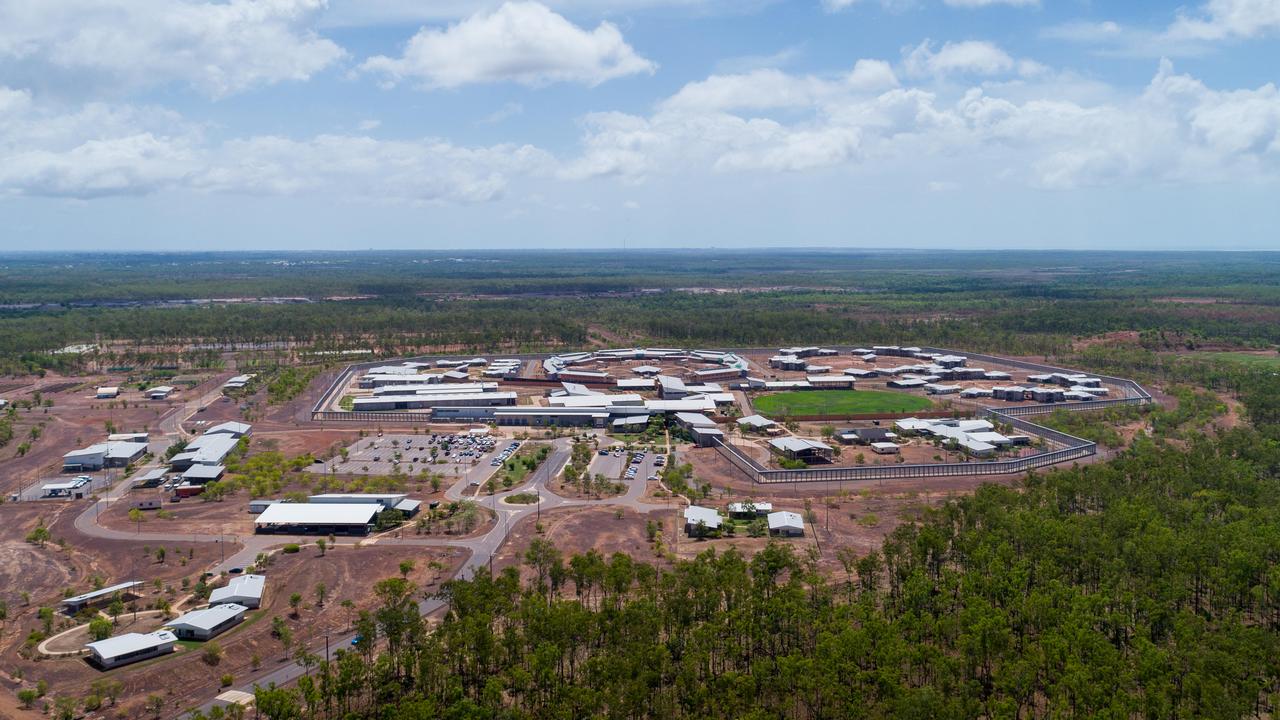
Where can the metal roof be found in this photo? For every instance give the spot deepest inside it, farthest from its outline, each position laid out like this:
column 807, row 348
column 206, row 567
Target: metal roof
column 243, row 586
column 695, row 419
column 756, row 421
column 318, row 514
column 237, row 428
column 204, row 472
column 208, row 618
column 695, row 514
column 741, row 507
column 131, row 642
column 785, row 519
column 795, row 444
column 104, row 592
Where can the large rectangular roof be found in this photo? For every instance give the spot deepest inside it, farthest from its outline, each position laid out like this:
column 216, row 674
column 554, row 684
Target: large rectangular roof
column 207, row 618
column 795, row 444
column 357, row 498
column 204, row 472
column 318, row 514
column 131, row 642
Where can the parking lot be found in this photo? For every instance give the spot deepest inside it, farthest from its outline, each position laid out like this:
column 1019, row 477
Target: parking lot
column 451, row 455
column 618, row 464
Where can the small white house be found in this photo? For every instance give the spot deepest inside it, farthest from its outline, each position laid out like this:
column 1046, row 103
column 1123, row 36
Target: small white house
column 698, row 520
column 786, row 523
column 243, row 590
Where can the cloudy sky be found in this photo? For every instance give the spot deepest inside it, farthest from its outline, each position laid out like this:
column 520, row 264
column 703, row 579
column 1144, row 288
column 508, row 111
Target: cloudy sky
column 351, row 124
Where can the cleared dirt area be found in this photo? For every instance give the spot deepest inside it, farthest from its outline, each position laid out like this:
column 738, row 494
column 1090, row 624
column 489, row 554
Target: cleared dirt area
column 576, row 530
column 185, row 677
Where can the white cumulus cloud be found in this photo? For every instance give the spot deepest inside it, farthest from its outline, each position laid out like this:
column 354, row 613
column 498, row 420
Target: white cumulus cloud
column 1224, row 19
column 218, row 48
column 971, row 57
column 521, row 42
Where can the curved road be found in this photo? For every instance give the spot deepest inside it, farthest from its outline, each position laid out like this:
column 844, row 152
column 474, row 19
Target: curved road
column 481, row 549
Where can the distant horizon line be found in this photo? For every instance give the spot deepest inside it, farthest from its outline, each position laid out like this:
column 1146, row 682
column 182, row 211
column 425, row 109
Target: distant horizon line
column 642, row 249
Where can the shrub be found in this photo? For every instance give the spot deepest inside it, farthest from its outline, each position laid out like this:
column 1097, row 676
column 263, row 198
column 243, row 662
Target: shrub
column 290, row 548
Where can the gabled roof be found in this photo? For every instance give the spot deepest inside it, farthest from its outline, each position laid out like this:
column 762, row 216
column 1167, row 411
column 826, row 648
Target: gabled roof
column 242, row 586
column 785, row 519
column 795, row 444
column 131, row 642
column 207, row 618
column 230, row 427
column 695, row 514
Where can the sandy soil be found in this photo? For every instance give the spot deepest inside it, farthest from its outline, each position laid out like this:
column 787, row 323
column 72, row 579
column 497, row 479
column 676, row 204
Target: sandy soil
column 576, row 530
column 347, row 573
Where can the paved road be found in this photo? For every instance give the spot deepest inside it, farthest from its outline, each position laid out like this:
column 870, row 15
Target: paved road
column 481, row 549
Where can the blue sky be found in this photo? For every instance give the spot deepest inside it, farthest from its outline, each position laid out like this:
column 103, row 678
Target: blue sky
column 301, row 124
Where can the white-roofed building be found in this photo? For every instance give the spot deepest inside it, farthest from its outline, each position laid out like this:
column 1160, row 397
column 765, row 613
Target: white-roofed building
column 885, row 448
column 246, row 590
column 104, row 454
column 107, row 392
column 688, row 420
column 747, row 509
column 794, row 448
column 756, row 422
column 640, row 383
column 630, row 423
column 352, row 518
column 207, row 623
column 159, row 392
column 232, row 428
column 131, row 648
column 73, row 605
column 697, row 404
column 786, row 523
column 423, row 402
column 699, row 520
column 578, row 389
column 239, row 381
column 830, row 382
column 671, row 388
column 386, row 500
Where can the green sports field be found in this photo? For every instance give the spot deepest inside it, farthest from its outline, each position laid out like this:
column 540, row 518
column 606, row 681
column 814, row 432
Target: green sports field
column 838, row 402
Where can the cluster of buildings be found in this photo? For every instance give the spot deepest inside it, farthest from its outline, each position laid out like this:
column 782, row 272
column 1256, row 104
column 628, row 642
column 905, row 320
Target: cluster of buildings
column 576, row 404
column 118, row 450
column 975, row 437
column 700, row 521
column 202, row 460
column 226, row 609
column 725, row 365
